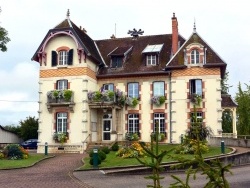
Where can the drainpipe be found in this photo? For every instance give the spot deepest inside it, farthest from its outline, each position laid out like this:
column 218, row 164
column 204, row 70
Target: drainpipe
column 170, row 107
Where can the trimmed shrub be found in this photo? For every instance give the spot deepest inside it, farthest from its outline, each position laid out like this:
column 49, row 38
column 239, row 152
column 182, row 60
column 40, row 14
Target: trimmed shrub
column 105, row 149
column 102, row 155
column 115, row 146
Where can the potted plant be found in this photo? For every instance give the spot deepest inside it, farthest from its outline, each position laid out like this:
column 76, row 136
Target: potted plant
column 132, row 102
column 55, row 94
column 60, row 137
column 67, row 94
column 120, row 98
column 158, row 100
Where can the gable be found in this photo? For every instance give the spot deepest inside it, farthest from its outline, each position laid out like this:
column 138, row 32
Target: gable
column 208, row 59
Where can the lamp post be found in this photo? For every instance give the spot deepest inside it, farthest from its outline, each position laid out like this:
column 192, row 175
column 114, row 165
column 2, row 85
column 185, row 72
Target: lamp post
column 46, row 148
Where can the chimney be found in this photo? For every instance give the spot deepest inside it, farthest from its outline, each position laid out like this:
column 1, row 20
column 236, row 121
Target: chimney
column 174, row 34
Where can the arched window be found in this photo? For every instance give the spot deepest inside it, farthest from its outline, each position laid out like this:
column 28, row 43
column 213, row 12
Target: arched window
column 195, row 57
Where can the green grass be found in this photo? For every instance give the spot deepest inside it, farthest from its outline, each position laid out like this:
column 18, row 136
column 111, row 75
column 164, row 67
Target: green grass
column 10, row 164
column 113, row 161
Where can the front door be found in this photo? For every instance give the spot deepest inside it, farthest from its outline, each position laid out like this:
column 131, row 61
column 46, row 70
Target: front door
column 106, row 128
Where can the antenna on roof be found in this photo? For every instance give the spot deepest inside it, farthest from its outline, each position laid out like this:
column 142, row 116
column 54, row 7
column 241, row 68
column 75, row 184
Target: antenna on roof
column 68, row 14
column 134, row 33
column 115, row 29
column 194, row 30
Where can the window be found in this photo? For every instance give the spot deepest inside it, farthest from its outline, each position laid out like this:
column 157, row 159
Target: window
column 158, row 88
column 133, row 123
column 62, row 84
column 116, row 62
column 160, row 118
column 63, row 58
column 151, row 59
column 133, row 90
column 196, row 117
column 195, row 57
column 196, row 87
column 108, row 87
column 61, row 122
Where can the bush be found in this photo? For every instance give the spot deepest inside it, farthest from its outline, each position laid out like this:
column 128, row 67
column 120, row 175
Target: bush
column 131, row 136
column 15, row 151
column 91, row 160
column 134, row 150
column 105, row 149
column 102, row 155
column 1, row 155
column 115, row 146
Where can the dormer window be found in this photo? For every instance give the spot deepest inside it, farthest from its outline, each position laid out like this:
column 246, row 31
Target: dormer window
column 195, row 57
column 116, row 62
column 152, row 54
column 151, row 59
column 119, row 55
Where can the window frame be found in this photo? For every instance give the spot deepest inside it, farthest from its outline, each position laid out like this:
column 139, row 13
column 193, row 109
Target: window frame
column 63, row 57
column 64, row 85
column 116, row 61
column 160, row 117
column 199, row 116
column 132, row 88
column 195, row 87
column 151, row 59
column 159, row 91
column 133, row 123
column 195, row 57
column 108, row 87
column 61, row 122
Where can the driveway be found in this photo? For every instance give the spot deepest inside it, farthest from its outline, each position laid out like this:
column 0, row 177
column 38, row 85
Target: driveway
column 51, row 173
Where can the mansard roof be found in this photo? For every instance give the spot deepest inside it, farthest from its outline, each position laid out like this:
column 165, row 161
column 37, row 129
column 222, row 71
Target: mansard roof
column 212, row 58
column 135, row 62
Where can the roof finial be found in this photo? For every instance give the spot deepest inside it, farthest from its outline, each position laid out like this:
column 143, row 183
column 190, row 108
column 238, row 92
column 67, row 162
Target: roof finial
column 68, row 14
column 194, row 30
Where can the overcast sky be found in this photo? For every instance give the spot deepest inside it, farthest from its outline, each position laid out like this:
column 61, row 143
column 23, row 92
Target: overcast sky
column 223, row 24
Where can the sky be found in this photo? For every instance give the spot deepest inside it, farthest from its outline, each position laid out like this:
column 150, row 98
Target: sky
column 223, row 24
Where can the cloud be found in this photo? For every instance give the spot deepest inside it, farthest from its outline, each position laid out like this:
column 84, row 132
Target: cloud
column 18, row 93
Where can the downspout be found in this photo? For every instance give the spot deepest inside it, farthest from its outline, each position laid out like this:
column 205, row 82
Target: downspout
column 170, row 107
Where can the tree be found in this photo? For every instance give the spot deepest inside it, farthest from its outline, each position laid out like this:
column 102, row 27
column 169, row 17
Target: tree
column 14, row 129
column 4, row 39
column 227, row 122
column 224, row 85
column 243, row 110
column 29, row 128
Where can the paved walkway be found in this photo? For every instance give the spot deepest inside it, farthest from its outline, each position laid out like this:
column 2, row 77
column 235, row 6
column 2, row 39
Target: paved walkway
column 58, row 172
column 51, row 173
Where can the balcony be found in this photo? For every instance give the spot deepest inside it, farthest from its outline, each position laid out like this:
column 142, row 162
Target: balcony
column 58, row 98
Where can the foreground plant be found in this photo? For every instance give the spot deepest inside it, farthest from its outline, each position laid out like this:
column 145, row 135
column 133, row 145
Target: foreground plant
column 156, row 159
column 214, row 170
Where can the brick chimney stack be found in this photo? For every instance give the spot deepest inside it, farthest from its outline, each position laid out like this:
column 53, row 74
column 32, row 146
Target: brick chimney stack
column 174, row 34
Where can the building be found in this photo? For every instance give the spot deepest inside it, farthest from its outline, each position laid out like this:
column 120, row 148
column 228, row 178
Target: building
column 96, row 91
column 8, row 137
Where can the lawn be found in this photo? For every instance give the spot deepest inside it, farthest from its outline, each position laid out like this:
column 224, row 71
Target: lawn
column 10, row 164
column 113, row 161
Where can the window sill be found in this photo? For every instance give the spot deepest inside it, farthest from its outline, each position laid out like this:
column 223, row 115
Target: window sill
column 62, row 66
